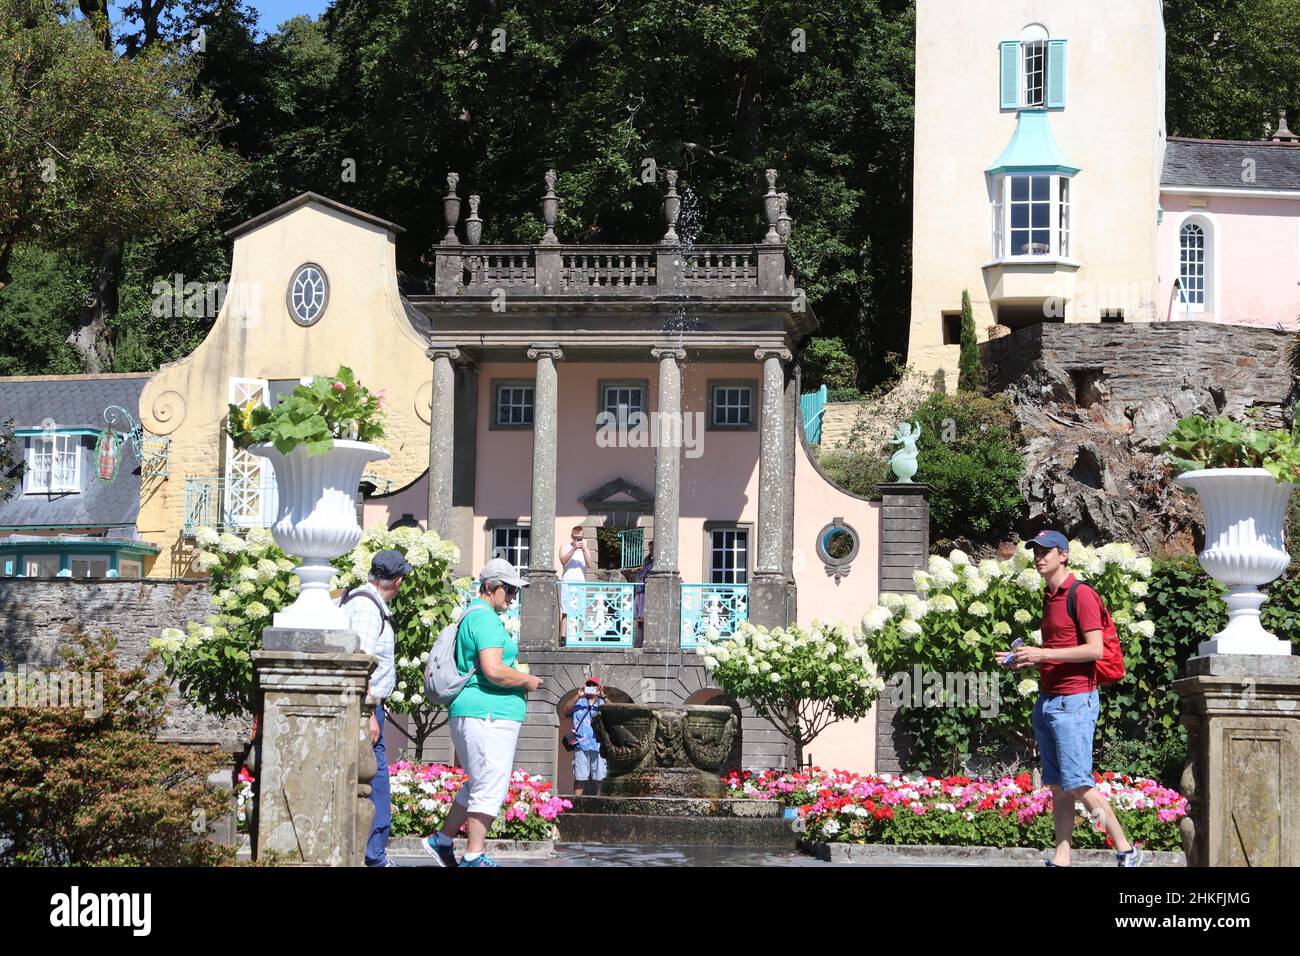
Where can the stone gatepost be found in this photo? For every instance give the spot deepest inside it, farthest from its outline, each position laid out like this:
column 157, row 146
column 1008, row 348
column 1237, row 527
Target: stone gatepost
column 315, row 762
column 1242, row 714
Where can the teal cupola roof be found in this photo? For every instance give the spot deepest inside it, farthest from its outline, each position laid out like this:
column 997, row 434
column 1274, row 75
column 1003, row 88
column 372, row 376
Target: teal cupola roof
column 1033, row 149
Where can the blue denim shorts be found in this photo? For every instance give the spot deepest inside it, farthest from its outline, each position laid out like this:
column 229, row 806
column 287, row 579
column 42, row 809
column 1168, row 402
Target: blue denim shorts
column 1064, row 725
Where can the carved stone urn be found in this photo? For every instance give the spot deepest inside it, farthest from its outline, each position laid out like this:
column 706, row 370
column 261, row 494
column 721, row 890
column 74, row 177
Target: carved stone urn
column 664, row 750
column 317, row 522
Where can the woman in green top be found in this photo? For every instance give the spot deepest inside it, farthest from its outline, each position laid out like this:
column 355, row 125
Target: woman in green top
column 486, row 715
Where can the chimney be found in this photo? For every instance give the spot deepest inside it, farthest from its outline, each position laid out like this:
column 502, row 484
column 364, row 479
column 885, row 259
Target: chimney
column 1283, row 134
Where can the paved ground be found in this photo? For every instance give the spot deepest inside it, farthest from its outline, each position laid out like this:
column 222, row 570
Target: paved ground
column 577, row 854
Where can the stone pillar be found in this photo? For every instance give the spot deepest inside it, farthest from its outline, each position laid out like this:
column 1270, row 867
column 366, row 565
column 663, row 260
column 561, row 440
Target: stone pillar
column 442, row 437
column 792, row 440
column 464, row 466
column 663, row 589
column 314, row 764
column 904, row 547
column 767, row 592
column 539, row 626
column 1242, row 714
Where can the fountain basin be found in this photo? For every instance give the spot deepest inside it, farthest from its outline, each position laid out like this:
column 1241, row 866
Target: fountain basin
column 664, row 750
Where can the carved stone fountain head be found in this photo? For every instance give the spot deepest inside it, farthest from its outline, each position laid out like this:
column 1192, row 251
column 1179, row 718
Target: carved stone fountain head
column 665, row 750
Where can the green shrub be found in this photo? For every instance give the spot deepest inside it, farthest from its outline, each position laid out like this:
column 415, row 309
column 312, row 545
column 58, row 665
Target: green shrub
column 90, row 785
column 827, row 362
column 970, row 373
column 969, row 456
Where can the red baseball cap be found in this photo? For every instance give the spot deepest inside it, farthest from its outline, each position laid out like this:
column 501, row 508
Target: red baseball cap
column 592, row 680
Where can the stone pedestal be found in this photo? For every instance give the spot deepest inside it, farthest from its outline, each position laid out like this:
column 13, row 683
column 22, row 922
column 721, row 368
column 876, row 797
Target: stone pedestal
column 663, row 611
column 315, row 762
column 1242, row 714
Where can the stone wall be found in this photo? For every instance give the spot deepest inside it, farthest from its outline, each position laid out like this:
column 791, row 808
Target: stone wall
column 1094, row 402
column 38, row 616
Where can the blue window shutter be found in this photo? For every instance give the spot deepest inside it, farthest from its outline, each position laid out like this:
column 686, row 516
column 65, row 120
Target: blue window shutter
column 1056, row 73
column 1010, row 74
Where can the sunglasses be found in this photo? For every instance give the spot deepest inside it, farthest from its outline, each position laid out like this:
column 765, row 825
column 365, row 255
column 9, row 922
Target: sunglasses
column 511, row 590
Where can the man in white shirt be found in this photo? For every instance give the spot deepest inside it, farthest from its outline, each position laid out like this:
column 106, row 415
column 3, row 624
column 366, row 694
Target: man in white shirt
column 369, row 617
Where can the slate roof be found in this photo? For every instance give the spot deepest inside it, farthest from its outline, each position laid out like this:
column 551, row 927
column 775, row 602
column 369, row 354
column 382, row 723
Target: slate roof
column 1219, row 164
column 72, row 401
column 303, row 199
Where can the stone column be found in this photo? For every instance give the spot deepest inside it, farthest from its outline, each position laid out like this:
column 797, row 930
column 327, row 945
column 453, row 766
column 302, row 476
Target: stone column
column 767, row 592
column 464, row 466
column 904, row 547
column 314, row 764
column 1242, row 714
column 442, row 436
column 663, row 589
column 539, row 625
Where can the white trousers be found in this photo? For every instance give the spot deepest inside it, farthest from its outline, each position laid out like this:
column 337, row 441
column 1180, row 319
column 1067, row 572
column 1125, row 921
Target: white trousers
column 486, row 749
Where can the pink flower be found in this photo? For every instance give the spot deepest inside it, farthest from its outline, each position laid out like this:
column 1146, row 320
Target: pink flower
column 339, row 387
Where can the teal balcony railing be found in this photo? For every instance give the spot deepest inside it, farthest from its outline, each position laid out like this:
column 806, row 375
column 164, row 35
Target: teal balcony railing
column 720, row 608
column 598, row 615
column 229, row 504
column 470, row 591
column 631, row 546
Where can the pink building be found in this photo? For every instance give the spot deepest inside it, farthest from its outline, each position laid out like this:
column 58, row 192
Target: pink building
column 1229, row 236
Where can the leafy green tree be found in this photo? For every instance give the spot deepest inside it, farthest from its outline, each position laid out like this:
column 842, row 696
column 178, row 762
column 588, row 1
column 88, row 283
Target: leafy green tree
column 970, row 373
column 10, row 460
column 826, row 361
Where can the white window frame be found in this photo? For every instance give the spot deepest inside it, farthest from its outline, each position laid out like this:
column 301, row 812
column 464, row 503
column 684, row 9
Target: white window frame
column 511, row 551
column 309, row 294
column 39, row 481
column 1060, row 217
column 1213, row 257
column 1033, row 42
column 718, row 572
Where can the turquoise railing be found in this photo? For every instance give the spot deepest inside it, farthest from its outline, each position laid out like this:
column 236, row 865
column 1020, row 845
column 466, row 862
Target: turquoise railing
column 229, row 504
column 631, row 545
column 720, row 608
column 811, row 407
column 470, row 591
column 598, row 614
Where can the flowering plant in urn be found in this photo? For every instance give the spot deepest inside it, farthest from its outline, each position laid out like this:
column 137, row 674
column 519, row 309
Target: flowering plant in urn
column 1244, row 476
column 311, row 439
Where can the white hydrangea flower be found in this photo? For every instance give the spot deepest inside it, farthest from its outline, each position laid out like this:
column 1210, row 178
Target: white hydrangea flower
column 1029, row 579
column 909, row 627
column 1138, row 588
column 257, row 610
column 959, row 557
column 1022, row 616
column 774, row 677
column 914, row 607
column 921, row 580
column 764, row 666
column 1001, row 628
column 1026, row 687
column 876, row 618
column 207, row 537
column 1036, row 637
column 417, row 700
column 248, row 573
column 1140, row 609
column 205, row 562
column 1146, row 628
column 971, row 638
column 978, row 608
column 943, row 603
column 990, row 568
column 710, row 662
column 397, row 697
column 891, row 601
column 1143, row 567
column 245, row 588
column 977, row 586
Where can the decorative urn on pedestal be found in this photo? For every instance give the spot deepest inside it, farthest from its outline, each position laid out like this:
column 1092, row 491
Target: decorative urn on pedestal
column 1245, row 549
column 317, row 522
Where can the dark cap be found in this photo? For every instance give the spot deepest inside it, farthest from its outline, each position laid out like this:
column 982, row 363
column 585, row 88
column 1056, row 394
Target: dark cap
column 1050, row 539
column 389, row 564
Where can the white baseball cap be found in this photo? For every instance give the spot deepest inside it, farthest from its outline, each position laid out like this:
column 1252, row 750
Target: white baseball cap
column 499, row 569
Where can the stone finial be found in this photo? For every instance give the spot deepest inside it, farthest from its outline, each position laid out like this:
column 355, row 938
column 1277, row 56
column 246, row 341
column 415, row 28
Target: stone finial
column 550, row 209
column 784, row 224
column 451, row 210
column 672, row 207
column 473, row 224
column 1284, row 134
column 770, row 208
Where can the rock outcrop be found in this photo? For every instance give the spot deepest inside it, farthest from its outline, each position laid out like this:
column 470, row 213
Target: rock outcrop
column 1094, row 402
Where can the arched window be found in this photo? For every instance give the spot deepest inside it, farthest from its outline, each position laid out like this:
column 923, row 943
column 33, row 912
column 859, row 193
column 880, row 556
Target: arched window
column 1196, row 264
column 1033, row 65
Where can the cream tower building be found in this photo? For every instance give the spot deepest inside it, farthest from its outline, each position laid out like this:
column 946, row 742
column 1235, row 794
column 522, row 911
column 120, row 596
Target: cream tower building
column 1039, row 143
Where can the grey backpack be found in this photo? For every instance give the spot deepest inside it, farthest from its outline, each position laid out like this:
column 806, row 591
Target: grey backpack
column 442, row 678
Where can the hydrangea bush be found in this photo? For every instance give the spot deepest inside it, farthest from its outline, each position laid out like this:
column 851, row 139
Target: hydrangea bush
column 841, row 807
column 422, row 795
column 251, row 578
column 800, row 682
column 965, row 615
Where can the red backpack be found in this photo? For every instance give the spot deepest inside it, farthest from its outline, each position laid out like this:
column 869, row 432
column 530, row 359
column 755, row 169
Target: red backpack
column 1110, row 669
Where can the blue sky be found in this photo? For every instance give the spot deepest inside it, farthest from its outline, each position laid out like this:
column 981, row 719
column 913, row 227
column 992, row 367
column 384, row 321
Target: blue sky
column 271, row 13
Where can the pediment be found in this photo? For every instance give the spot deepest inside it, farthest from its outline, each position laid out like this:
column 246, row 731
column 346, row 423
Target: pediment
column 618, row 495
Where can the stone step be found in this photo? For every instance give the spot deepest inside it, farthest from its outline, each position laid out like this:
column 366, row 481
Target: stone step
column 677, row 807
column 633, row 828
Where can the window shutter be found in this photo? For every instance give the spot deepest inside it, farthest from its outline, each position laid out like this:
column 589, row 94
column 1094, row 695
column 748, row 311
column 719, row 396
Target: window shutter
column 1010, row 74
column 1056, row 72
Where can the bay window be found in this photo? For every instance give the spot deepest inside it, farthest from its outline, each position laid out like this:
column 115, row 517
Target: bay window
column 1031, row 216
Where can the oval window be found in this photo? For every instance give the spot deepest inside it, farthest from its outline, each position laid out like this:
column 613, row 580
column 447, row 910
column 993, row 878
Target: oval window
column 308, row 294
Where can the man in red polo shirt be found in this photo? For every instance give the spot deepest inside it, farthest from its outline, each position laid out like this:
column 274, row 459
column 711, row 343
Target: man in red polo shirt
column 1065, row 714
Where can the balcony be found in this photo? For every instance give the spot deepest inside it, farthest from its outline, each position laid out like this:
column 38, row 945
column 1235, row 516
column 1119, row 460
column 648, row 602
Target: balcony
column 716, row 608
column 229, row 504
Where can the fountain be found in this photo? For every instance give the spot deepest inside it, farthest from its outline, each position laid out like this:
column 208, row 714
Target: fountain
column 665, row 787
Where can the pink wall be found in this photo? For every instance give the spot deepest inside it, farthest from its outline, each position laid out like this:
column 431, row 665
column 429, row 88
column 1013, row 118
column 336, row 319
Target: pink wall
column 1256, row 243
column 845, row 745
column 721, row 484
column 385, row 509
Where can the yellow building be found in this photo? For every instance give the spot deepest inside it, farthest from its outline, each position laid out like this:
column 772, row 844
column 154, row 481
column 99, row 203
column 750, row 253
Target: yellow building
column 1038, row 148
column 281, row 319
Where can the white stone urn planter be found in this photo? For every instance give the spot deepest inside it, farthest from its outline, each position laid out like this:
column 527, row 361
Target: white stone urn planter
column 316, row 522
column 1245, row 548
